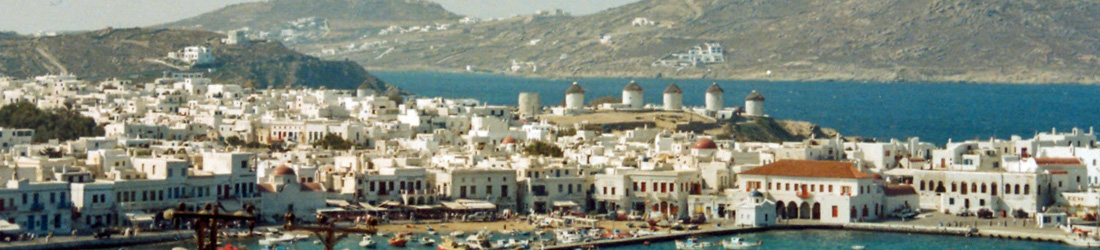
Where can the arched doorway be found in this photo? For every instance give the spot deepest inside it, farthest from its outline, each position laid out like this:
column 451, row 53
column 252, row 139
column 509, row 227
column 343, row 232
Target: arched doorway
column 792, row 210
column 780, row 209
column 817, row 211
column 804, row 210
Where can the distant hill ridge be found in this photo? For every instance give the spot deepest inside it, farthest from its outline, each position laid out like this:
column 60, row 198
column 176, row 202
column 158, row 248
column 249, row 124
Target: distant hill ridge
column 342, row 14
column 1050, row 41
column 137, row 53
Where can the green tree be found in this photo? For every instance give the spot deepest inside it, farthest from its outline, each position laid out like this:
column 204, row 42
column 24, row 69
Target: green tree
column 333, row 141
column 234, row 141
column 61, row 124
column 543, row 148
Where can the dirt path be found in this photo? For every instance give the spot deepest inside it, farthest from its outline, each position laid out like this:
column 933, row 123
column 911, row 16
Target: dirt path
column 55, row 63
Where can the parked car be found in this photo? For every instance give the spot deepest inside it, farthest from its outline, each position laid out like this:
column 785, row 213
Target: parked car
column 985, row 213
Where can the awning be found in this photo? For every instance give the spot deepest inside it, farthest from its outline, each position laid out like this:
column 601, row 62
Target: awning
column 369, row 207
column 337, row 203
column 139, row 217
column 330, row 209
column 424, row 207
column 564, row 204
column 470, row 205
column 7, row 227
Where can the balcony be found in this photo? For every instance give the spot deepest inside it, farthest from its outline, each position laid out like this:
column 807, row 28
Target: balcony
column 64, row 205
column 38, row 207
column 804, row 194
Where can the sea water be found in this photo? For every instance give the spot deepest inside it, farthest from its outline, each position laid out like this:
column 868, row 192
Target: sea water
column 792, row 239
column 934, row 112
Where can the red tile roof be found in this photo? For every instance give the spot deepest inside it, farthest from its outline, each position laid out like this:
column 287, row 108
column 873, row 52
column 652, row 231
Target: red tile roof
column 265, row 188
column 1057, row 161
column 898, row 190
column 312, row 186
column 807, row 168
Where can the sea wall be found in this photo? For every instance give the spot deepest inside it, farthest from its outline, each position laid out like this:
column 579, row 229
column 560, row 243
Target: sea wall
column 89, row 242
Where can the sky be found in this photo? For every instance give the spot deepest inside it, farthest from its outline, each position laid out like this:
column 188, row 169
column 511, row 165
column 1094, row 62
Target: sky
column 31, row 16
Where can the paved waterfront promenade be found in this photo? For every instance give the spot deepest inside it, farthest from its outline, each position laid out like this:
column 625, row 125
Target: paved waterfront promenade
column 85, row 242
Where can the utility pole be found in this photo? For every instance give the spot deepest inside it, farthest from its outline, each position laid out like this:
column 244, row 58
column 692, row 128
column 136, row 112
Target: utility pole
column 207, row 222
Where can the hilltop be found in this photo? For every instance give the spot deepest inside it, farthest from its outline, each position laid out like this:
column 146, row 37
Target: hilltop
column 1053, row 41
column 139, row 54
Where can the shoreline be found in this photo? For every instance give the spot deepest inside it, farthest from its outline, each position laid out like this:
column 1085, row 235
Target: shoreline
column 708, row 229
column 864, row 227
column 421, row 69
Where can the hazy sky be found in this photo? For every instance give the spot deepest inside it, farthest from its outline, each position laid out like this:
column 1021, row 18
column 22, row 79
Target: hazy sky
column 29, row 16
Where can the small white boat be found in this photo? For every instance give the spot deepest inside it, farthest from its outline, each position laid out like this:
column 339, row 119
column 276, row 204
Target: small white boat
column 457, row 234
column 1079, row 241
column 272, row 239
column 366, row 242
column 858, row 247
column 692, row 244
column 738, row 243
column 506, row 232
column 427, row 241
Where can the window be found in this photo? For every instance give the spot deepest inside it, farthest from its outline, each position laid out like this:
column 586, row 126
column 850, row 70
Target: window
column 951, row 201
column 612, row 191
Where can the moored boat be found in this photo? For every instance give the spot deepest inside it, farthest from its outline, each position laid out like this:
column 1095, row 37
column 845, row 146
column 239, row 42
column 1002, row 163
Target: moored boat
column 450, row 244
column 738, row 243
column 399, row 240
column 366, row 242
column 427, row 241
column 691, row 244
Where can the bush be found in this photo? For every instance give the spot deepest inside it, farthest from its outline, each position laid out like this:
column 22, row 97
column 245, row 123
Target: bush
column 333, row 141
column 542, row 148
column 61, row 124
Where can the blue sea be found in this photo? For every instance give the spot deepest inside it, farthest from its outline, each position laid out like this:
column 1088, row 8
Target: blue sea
column 794, row 239
column 934, row 112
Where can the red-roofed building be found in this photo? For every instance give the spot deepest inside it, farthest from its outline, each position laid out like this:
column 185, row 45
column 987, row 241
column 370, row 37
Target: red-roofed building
column 830, row 191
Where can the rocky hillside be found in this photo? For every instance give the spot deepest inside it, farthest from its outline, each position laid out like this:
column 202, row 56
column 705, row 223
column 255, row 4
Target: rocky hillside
column 342, row 18
column 140, row 54
column 1051, row 41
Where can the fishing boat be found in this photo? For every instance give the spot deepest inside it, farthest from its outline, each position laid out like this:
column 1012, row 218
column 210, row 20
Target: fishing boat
column 479, row 240
column 399, row 240
column 738, row 243
column 568, row 236
column 691, row 244
column 450, row 244
column 427, row 241
column 457, row 234
column 366, row 242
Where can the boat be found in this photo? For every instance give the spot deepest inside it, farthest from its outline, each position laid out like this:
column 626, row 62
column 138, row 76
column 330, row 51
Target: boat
column 1084, row 242
column 857, row 247
column 457, row 234
column 738, row 243
column 513, row 244
column 479, row 240
column 273, row 238
column 506, row 232
column 399, row 240
column 691, row 244
column 567, row 236
column 450, row 244
column 427, row 241
column 366, row 242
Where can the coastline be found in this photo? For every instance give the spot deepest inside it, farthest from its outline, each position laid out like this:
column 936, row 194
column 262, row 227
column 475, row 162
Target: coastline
column 809, row 78
column 708, row 229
